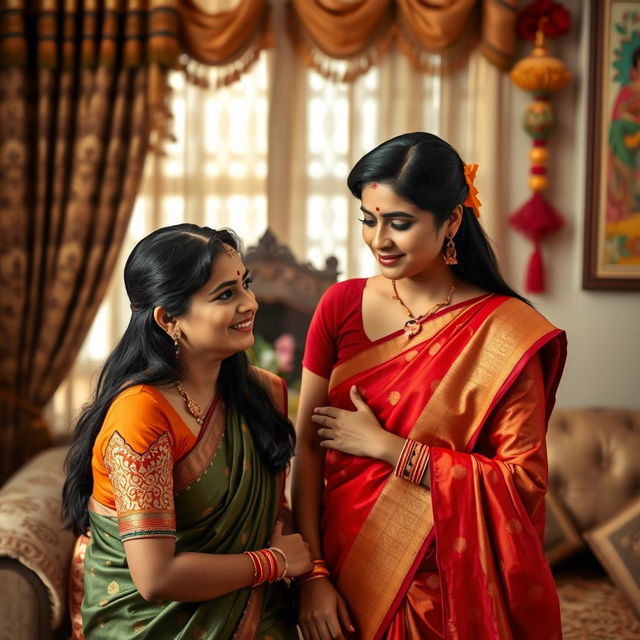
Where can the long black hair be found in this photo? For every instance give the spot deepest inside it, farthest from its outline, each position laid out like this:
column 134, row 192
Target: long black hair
column 428, row 172
column 165, row 269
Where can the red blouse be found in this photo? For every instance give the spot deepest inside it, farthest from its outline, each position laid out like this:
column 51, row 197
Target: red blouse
column 336, row 332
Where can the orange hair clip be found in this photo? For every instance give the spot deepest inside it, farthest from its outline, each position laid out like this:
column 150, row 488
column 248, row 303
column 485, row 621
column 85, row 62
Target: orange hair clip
column 472, row 198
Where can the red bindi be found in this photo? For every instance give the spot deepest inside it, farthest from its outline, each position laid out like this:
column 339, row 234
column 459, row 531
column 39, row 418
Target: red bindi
column 238, row 272
column 377, row 208
column 374, row 185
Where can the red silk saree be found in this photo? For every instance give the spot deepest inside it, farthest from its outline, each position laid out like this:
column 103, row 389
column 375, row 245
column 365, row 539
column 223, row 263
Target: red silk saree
column 463, row 560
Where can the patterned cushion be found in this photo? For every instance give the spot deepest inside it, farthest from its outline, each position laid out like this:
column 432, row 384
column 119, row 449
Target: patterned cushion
column 31, row 528
column 616, row 544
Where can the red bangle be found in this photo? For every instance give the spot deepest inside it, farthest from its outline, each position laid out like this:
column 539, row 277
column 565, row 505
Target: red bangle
column 405, row 457
column 273, row 565
column 258, row 569
column 413, row 461
column 420, row 464
column 265, row 565
column 320, row 570
column 283, row 575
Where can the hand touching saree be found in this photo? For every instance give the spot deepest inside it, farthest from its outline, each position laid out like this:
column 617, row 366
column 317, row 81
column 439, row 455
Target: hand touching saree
column 213, row 494
column 464, row 559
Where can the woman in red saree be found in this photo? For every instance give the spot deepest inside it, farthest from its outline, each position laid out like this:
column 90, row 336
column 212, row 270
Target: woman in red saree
column 421, row 464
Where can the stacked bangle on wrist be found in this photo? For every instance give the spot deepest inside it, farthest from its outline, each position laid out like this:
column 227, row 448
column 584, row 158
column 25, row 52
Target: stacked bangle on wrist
column 413, row 461
column 283, row 575
column 320, row 570
column 265, row 565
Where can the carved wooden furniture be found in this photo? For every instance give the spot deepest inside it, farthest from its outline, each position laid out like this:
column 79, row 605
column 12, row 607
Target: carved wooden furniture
column 287, row 291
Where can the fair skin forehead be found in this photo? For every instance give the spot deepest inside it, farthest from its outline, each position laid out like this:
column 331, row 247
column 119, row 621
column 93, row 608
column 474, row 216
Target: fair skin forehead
column 228, row 271
column 381, row 200
column 396, row 229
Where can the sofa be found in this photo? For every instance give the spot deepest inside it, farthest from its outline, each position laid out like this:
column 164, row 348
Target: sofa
column 592, row 537
column 592, row 534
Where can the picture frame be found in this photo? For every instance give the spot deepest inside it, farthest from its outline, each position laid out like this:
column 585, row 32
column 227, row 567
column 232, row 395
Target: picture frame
column 615, row 544
column 612, row 206
column 561, row 538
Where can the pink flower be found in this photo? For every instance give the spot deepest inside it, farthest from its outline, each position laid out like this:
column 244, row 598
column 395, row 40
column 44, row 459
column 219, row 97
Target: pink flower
column 285, row 346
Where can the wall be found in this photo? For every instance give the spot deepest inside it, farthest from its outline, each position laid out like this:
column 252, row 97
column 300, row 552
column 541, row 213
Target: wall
column 603, row 327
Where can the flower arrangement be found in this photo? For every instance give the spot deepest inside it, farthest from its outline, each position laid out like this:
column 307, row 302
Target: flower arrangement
column 279, row 358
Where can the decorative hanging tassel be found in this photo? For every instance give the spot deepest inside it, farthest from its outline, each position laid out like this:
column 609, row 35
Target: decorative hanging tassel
column 536, row 219
column 535, row 272
column 542, row 74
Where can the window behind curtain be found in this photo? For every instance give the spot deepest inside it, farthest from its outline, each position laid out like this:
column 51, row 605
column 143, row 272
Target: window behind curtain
column 215, row 173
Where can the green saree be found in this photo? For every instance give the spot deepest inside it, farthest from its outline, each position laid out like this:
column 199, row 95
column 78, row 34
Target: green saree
column 226, row 502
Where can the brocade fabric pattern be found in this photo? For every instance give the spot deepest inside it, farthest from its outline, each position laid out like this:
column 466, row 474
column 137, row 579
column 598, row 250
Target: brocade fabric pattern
column 73, row 137
column 142, row 486
column 31, row 528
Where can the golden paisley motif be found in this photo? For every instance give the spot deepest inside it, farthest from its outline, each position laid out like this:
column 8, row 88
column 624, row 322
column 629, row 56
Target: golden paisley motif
column 460, row 545
column 140, row 481
column 394, row 398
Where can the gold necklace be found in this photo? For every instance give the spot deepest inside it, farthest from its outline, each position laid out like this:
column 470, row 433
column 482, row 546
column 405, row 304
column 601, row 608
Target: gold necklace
column 413, row 326
column 192, row 407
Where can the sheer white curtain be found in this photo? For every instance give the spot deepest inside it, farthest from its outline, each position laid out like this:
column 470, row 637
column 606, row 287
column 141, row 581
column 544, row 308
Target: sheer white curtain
column 213, row 173
column 274, row 149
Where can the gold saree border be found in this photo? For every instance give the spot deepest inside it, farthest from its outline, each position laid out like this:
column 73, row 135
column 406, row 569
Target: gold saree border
column 275, row 387
column 251, row 616
column 189, row 469
column 390, row 536
column 402, row 518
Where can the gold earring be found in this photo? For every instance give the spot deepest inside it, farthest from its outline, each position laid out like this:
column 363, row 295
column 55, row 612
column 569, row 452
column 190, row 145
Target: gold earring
column 450, row 253
column 176, row 345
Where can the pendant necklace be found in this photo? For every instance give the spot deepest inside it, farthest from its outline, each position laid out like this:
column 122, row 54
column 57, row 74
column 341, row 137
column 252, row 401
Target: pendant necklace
column 413, row 326
column 192, row 407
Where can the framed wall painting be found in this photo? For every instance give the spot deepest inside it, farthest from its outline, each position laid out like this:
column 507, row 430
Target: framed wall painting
column 612, row 225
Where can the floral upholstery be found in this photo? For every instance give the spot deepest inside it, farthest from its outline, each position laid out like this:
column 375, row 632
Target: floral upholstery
column 31, row 528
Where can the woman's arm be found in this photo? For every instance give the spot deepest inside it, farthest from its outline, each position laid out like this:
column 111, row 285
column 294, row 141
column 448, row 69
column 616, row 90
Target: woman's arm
column 308, row 463
column 160, row 574
column 358, row 433
column 323, row 611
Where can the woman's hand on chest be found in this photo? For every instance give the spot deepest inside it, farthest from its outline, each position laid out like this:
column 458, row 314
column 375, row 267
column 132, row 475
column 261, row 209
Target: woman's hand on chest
column 357, row 433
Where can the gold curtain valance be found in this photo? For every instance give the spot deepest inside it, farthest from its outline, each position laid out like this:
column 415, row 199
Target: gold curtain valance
column 326, row 30
column 232, row 38
column 343, row 38
column 339, row 38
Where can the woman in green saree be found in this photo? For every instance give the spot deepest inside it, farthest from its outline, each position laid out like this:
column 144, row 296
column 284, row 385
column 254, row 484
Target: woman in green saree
column 175, row 477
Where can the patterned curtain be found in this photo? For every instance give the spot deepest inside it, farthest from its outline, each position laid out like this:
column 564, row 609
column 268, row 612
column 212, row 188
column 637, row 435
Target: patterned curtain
column 81, row 87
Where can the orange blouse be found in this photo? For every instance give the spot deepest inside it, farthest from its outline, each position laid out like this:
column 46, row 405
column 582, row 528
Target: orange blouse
column 140, row 441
